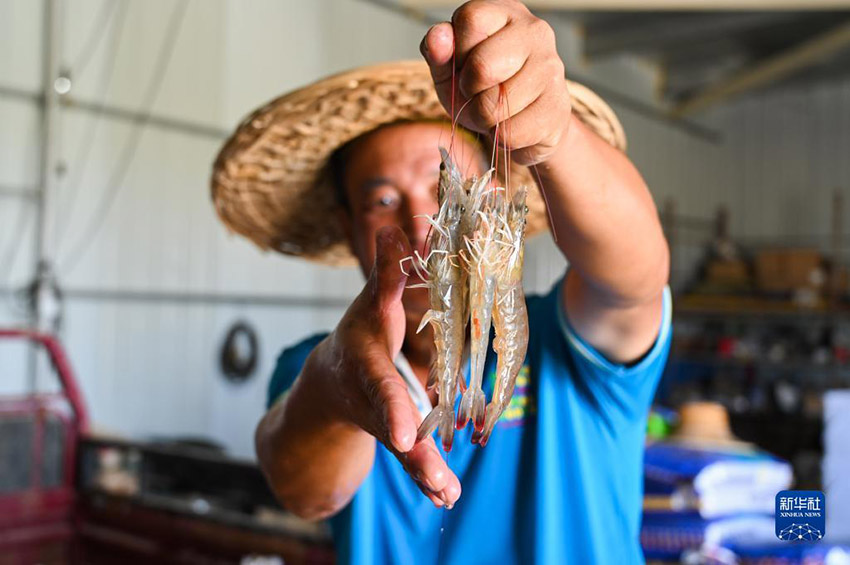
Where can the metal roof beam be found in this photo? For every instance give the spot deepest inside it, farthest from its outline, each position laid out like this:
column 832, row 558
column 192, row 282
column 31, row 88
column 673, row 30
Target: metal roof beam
column 648, row 34
column 646, row 5
column 769, row 70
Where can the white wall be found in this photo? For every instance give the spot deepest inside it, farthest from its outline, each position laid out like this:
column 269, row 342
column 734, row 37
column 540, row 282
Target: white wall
column 150, row 368
column 793, row 153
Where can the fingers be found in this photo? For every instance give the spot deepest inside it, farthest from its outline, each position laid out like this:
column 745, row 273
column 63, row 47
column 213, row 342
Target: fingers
column 494, row 61
column 430, row 472
column 437, row 48
column 474, row 22
column 506, row 64
column 390, row 400
column 396, row 429
column 501, row 101
column 387, row 279
column 531, row 142
column 446, row 45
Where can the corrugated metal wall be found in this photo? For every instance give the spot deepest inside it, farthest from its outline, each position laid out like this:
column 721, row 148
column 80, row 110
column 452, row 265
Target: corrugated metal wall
column 792, row 155
column 149, row 367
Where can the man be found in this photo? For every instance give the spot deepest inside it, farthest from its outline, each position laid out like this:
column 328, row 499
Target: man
column 343, row 168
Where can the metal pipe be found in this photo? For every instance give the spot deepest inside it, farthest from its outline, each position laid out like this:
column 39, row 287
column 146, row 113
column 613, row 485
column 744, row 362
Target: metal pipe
column 197, row 298
column 18, row 192
column 182, row 126
column 122, row 114
column 659, row 5
column 19, row 94
column 47, row 171
column 615, row 97
column 49, row 130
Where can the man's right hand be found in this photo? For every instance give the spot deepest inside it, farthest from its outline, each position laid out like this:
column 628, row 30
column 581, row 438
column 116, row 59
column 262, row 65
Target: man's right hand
column 369, row 391
column 316, row 447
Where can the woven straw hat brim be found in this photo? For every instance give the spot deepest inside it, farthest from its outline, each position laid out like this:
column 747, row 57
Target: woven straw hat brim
column 270, row 181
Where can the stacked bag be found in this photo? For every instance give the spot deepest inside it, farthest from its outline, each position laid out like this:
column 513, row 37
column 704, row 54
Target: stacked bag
column 836, row 463
column 702, row 487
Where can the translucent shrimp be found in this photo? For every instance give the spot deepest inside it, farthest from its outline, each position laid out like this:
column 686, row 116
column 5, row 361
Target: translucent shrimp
column 510, row 317
column 446, row 282
column 483, row 251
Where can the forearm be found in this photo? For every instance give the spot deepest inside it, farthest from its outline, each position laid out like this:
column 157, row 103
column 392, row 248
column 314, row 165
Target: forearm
column 313, row 459
column 604, row 219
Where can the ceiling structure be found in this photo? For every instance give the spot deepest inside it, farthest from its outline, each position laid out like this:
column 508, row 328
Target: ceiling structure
column 710, row 51
column 707, row 58
column 653, row 5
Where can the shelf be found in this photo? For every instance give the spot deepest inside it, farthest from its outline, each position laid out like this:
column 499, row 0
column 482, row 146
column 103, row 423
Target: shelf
column 796, row 366
column 755, row 309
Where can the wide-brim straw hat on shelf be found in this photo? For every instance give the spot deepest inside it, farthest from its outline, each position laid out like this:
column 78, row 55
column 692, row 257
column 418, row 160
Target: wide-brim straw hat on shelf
column 271, row 182
column 706, row 424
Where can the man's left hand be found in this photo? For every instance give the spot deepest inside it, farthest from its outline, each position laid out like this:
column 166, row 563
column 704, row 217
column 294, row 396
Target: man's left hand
column 490, row 43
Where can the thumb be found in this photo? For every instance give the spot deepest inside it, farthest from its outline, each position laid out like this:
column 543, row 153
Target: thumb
column 438, row 48
column 387, row 279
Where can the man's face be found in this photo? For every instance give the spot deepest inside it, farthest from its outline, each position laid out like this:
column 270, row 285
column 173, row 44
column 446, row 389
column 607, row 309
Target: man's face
column 391, row 176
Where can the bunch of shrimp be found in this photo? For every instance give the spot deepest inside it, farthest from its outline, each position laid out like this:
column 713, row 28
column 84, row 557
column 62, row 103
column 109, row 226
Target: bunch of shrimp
column 446, row 281
column 484, row 257
column 473, row 273
column 510, row 317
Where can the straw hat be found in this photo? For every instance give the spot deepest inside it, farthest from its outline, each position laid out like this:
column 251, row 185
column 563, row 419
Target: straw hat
column 270, row 181
column 706, row 424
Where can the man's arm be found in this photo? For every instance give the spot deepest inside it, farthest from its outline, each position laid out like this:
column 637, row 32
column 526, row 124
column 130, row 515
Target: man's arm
column 317, row 444
column 607, row 226
column 604, row 219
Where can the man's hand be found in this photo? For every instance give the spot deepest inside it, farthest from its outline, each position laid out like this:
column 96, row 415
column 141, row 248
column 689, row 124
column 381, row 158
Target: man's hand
column 613, row 295
column 369, row 391
column 318, row 445
column 490, row 43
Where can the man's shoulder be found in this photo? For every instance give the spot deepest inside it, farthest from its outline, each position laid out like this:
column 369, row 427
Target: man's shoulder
column 303, row 347
column 289, row 364
column 292, row 358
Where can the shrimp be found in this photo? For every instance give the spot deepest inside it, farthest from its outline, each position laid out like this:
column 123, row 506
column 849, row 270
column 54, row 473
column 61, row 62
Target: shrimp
column 446, row 281
column 483, row 261
column 510, row 317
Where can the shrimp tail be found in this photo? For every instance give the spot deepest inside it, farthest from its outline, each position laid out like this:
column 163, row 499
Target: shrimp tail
column 429, row 424
column 447, row 429
column 494, row 412
column 472, row 406
column 438, row 419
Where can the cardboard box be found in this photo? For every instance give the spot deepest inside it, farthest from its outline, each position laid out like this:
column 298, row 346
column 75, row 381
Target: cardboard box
column 785, row 270
column 728, row 272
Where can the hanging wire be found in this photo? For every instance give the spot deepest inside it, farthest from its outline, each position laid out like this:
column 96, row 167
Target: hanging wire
column 96, row 34
column 119, row 173
column 86, row 142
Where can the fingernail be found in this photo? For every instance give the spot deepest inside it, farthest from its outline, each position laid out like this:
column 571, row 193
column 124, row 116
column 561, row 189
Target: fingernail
column 452, row 492
column 402, row 442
